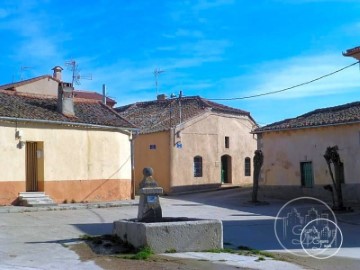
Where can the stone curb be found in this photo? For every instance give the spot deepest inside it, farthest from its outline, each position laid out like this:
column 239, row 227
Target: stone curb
column 63, row 207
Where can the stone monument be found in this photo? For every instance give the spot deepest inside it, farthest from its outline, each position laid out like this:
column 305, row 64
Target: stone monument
column 163, row 234
column 149, row 205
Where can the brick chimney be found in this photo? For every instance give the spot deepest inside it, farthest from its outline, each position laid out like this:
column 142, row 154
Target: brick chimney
column 66, row 99
column 57, row 73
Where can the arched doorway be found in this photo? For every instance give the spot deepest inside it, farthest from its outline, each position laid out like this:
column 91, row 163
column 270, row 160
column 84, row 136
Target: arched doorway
column 226, row 172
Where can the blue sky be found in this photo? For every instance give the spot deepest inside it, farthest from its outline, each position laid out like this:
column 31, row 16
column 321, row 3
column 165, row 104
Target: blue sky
column 215, row 49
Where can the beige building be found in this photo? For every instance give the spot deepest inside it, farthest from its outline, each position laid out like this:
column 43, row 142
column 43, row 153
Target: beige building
column 72, row 149
column 192, row 143
column 294, row 148
column 48, row 85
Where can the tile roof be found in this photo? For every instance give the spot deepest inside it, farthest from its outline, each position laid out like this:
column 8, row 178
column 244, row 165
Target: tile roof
column 38, row 107
column 93, row 96
column 353, row 51
column 154, row 116
column 343, row 114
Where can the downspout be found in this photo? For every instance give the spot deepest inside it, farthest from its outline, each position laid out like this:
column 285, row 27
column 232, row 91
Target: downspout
column 171, row 158
column 132, row 138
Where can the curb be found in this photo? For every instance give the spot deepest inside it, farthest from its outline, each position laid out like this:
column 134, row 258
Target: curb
column 64, row 207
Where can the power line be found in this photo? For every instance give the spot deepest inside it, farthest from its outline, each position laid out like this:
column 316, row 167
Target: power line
column 288, row 88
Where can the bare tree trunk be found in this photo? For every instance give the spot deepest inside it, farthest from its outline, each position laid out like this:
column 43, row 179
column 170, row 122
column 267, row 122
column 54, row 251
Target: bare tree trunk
column 332, row 156
column 258, row 162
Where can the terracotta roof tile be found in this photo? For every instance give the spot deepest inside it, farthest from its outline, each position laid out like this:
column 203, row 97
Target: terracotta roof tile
column 45, row 108
column 343, row 114
column 352, row 51
column 94, row 96
column 154, row 116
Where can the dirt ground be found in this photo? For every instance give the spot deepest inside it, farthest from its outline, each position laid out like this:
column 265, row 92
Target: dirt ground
column 104, row 255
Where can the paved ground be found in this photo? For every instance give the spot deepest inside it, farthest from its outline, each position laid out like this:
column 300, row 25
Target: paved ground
column 40, row 239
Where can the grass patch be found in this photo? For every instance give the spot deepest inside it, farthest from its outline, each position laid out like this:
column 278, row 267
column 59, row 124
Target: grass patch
column 173, row 250
column 243, row 250
column 143, row 254
column 260, row 259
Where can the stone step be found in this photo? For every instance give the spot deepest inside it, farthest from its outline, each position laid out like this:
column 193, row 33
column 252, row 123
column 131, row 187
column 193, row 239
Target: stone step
column 31, row 194
column 35, row 199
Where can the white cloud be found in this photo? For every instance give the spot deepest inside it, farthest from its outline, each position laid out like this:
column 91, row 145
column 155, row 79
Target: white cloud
column 287, row 73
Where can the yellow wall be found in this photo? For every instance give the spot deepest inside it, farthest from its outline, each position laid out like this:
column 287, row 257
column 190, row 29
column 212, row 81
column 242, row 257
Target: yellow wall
column 283, row 152
column 45, row 86
column 70, row 156
column 205, row 137
column 158, row 159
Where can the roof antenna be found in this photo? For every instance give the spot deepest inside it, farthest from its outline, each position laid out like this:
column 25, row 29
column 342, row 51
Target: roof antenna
column 23, row 69
column 157, row 72
column 76, row 77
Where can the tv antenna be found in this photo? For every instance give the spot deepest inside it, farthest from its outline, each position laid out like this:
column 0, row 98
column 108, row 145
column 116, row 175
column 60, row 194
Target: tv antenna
column 157, row 72
column 76, row 77
column 22, row 70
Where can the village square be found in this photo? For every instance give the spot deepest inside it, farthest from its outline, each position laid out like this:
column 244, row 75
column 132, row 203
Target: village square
column 196, row 183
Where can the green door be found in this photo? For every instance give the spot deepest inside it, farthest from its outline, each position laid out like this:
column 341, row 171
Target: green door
column 307, row 179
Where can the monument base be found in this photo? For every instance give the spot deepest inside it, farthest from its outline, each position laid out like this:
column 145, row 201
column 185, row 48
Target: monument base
column 172, row 234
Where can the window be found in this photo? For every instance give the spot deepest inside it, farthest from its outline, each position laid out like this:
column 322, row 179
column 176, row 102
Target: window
column 247, row 166
column 197, row 166
column 227, row 142
column 152, row 146
column 307, row 179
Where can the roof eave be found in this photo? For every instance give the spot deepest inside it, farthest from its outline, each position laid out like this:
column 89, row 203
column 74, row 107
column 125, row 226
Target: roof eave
column 306, row 127
column 64, row 123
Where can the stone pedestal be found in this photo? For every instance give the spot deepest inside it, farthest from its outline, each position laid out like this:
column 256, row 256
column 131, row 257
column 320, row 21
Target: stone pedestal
column 149, row 206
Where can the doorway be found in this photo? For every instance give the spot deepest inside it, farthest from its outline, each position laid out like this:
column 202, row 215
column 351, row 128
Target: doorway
column 34, row 167
column 226, row 172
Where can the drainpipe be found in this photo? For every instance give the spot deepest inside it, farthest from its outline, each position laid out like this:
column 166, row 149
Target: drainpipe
column 132, row 138
column 171, row 158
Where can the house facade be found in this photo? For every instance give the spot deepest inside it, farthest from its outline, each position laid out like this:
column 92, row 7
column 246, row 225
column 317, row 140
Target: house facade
column 191, row 143
column 72, row 149
column 294, row 149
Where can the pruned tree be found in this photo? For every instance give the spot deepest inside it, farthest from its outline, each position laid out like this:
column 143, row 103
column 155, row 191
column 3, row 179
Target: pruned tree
column 332, row 157
column 258, row 162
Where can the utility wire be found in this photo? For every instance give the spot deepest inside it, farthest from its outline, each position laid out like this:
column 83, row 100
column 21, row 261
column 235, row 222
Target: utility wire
column 288, row 88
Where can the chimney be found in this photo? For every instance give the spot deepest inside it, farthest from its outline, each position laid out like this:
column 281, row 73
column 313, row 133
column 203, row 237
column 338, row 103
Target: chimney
column 66, row 99
column 57, row 73
column 161, row 97
column 104, row 94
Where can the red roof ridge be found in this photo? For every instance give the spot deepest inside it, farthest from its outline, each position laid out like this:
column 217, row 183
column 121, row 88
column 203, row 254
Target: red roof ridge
column 86, row 100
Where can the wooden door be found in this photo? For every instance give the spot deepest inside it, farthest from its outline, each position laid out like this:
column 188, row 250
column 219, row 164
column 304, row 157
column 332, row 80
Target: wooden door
column 31, row 167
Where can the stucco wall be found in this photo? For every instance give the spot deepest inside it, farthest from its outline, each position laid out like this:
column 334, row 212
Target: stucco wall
column 205, row 137
column 45, row 86
column 77, row 162
column 283, row 152
column 158, row 158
